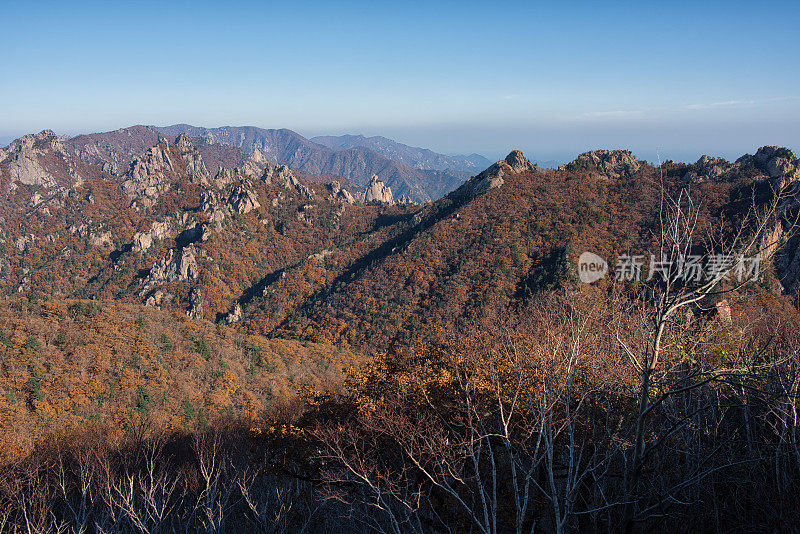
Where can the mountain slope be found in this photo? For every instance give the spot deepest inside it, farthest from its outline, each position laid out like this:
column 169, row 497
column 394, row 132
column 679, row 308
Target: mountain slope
column 293, row 258
column 505, row 235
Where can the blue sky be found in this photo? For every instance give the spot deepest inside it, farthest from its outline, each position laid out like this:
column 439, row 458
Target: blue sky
column 553, row 79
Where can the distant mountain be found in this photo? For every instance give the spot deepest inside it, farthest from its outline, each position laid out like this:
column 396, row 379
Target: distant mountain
column 419, row 158
column 117, row 148
column 356, row 164
column 418, row 173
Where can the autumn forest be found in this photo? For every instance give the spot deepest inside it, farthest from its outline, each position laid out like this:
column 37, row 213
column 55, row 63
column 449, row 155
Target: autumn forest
column 196, row 338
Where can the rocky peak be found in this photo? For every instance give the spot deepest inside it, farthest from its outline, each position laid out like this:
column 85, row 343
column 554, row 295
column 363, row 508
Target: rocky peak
column 778, row 163
column 610, row 163
column 518, row 163
column 183, row 143
column 377, row 192
column 281, row 175
column 147, row 179
column 492, row 178
column 43, row 139
column 25, row 159
column 255, row 165
column 707, row 168
column 195, row 167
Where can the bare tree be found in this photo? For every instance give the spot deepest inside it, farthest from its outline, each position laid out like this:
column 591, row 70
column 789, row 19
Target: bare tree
column 692, row 268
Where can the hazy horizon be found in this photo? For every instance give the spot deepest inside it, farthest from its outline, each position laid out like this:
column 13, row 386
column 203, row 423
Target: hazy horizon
column 547, row 148
column 677, row 80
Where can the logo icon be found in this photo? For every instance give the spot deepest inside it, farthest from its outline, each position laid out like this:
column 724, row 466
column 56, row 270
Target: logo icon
column 591, row 267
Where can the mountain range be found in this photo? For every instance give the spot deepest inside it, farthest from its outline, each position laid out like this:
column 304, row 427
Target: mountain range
column 418, row 173
column 222, row 224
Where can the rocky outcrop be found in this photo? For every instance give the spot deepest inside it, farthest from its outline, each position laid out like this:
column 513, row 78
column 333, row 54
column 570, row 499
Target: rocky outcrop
column 377, row 192
column 186, row 264
column 778, row 163
column 159, row 230
column 175, row 266
column 24, row 160
column 235, row 315
column 210, row 205
column 321, row 255
column 255, row 165
column 243, row 200
column 158, row 298
column 707, row 168
column 405, row 200
column 282, row 176
column 491, row 178
column 224, row 178
column 22, row 242
column 609, row 163
column 102, row 240
column 195, row 310
column 780, row 168
column 196, row 169
column 279, row 175
column 338, row 193
column 147, row 177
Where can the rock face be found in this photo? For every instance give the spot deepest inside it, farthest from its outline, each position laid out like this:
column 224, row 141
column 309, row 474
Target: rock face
column 377, row 192
column 243, row 200
column 339, row 193
column 518, row 163
column 610, row 163
column 153, row 173
column 158, row 298
column 159, row 230
column 491, row 178
column 146, row 179
column 195, row 167
column 210, row 205
column 25, row 159
column 180, row 265
column 279, row 175
column 407, row 201
column 255, row 165
column 282, row 176
column 780, row 168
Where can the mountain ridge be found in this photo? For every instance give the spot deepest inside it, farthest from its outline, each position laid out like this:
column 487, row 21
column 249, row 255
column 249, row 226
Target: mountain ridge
column 356, row 164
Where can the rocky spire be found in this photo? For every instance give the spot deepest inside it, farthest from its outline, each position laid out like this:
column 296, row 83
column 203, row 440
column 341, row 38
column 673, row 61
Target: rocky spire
column 377, row 192
column 195, row 167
